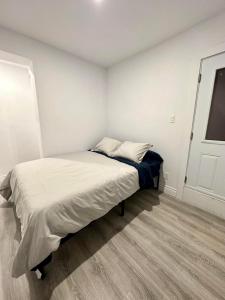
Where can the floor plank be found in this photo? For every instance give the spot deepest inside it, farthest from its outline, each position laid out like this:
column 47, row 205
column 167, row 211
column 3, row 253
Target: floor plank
column 160, row 249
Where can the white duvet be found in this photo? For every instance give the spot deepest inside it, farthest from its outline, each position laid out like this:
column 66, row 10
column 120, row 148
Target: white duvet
column 61, row 195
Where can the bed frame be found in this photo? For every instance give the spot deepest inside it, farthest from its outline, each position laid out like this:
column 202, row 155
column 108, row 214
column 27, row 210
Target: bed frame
column 156, row 182
column 39, row 269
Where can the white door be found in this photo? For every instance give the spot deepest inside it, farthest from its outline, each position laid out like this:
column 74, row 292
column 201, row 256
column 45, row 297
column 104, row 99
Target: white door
column 206, row 167
column 19, row 123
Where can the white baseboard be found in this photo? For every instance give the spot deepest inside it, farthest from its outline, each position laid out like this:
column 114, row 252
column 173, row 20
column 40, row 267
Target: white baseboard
column 209, row 203
column 169, row 190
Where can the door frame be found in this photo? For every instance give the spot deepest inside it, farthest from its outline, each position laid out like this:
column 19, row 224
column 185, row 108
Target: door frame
column 192, row 98
column 26, row 63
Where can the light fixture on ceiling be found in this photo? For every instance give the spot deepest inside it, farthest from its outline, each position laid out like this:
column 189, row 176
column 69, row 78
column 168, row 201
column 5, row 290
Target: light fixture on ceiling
column 98, row 1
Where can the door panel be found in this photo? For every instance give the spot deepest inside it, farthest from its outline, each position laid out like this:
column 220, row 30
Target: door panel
column 206, row 167
column 207, row 171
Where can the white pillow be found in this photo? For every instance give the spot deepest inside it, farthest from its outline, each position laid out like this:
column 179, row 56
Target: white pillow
column 107, row 146
column 132, row 151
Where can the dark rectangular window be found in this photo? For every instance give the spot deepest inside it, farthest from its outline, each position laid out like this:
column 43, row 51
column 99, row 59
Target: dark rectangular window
column 216, row 123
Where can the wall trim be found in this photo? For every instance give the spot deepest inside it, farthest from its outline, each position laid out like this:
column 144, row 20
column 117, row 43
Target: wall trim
column 169, row 190
column 206, row 202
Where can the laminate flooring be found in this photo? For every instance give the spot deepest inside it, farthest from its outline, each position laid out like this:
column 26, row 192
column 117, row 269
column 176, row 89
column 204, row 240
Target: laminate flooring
column 160, row 249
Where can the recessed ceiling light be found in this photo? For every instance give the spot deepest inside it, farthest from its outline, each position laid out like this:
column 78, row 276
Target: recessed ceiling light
column 98, row 1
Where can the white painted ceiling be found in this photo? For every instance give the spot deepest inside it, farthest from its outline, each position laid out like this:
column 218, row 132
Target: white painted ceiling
column 104, row 31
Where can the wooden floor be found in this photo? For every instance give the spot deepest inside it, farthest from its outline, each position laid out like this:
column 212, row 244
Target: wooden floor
column 161, row 249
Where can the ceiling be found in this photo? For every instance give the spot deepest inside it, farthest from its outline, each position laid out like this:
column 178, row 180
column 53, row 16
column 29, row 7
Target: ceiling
column 104, row 31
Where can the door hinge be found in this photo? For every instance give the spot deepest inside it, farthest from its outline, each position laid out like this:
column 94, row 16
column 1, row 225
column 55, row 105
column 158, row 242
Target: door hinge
column 185, row 179
column 192, row 135
column 199, row 77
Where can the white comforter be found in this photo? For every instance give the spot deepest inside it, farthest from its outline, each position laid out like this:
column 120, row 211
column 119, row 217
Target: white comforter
column 57, row 196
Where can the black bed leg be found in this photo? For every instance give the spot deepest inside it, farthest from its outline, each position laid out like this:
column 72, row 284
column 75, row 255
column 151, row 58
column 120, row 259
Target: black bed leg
column 157, row 184
column 122, row 207
column 40, row 270
column 40, row 273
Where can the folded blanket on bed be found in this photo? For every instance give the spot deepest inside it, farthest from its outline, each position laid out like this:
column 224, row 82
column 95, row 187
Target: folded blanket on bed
column 54, row 197
column 148, row 169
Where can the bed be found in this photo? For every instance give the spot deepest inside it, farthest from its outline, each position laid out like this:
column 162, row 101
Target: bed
column 60, row 195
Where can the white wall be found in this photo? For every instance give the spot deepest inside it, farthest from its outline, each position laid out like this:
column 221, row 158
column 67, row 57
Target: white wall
column 142, row 93
column 71, row 94
column 146, row 89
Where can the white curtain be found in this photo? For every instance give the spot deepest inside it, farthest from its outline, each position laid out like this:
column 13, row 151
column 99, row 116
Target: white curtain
column 19, row 125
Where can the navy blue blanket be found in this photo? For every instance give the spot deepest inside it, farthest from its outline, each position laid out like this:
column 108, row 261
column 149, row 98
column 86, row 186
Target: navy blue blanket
column 147, row 169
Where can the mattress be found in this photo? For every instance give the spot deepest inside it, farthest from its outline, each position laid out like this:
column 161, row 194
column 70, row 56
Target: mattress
column 60, row 195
